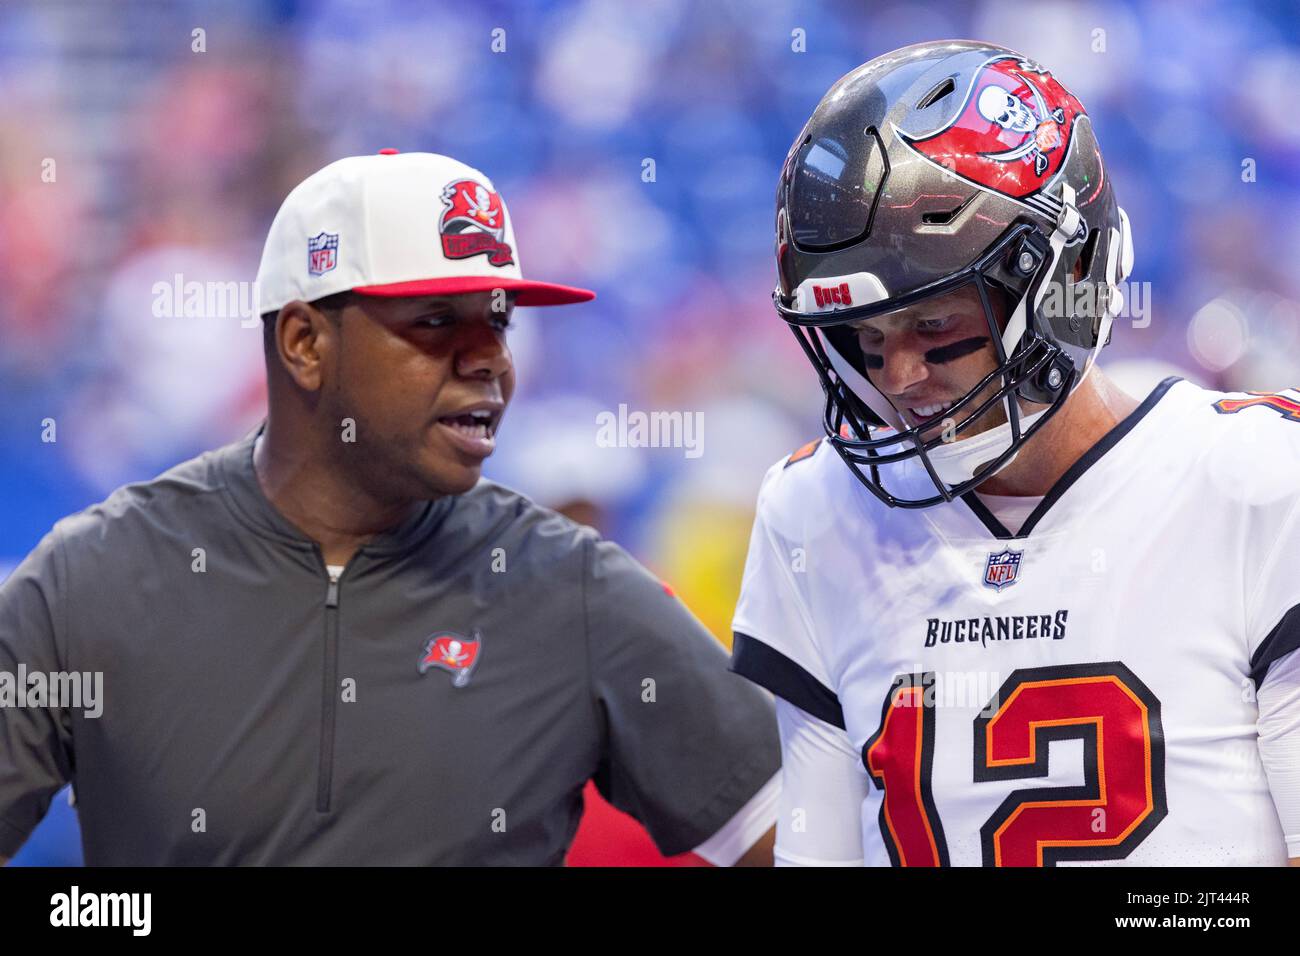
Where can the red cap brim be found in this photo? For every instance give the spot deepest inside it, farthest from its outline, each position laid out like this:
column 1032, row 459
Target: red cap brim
column 527, row 292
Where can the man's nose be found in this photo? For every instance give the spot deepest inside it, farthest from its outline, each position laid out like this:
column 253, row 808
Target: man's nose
column 903, row 368
column 482, row 353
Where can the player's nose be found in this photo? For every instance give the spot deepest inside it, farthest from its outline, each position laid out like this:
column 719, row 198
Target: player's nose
column 481, row 352
column 903, row 369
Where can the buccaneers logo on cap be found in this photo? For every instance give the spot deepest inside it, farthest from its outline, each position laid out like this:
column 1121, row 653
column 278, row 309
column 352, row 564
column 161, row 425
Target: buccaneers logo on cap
column 473, row 222
column 1013, row 132
column 453, row 653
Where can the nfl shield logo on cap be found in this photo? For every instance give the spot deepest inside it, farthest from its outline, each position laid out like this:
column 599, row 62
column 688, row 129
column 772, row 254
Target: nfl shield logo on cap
column 321, row 253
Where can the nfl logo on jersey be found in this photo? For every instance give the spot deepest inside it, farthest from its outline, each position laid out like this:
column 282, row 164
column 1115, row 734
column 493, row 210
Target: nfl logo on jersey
column 1001, row 569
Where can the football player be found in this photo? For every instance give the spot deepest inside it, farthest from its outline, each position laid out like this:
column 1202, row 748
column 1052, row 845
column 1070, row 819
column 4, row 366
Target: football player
column 1012, row 616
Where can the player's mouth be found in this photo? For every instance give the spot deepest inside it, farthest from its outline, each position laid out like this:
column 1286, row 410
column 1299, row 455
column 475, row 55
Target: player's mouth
column 924, row 413
column 472, row 429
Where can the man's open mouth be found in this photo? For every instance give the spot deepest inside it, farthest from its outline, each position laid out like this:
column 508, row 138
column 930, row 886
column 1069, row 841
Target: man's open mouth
column 477, row 424
column 923, row 413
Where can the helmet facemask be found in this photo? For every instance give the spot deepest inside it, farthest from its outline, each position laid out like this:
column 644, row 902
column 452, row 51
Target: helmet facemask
column 969, row 443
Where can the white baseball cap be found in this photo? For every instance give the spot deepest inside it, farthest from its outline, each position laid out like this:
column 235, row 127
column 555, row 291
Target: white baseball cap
column 396, row 224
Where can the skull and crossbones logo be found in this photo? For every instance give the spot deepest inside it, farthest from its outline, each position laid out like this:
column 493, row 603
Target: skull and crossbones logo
column 480, row 205
column 1039, row 124
column 1006, row 109
column 455, row 653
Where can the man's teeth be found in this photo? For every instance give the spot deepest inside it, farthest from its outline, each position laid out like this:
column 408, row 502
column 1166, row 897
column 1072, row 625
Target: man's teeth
column 928, row 411
column 471, row 431
column 471, row 425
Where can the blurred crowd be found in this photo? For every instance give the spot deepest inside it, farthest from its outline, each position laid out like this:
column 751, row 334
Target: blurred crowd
column 637, row 146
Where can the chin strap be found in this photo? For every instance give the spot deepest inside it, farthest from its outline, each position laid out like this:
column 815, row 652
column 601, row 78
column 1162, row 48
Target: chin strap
column 958, row 461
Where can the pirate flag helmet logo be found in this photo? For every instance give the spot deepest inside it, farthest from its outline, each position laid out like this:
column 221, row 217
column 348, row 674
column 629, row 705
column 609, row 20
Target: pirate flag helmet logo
column 1013, row 132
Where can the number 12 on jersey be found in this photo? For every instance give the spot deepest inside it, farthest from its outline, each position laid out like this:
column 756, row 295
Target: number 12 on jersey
column 1120, row 802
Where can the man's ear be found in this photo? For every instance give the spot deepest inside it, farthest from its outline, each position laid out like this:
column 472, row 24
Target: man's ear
column 303, row 336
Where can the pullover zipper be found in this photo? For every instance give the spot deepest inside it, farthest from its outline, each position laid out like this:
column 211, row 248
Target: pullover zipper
column 329, row 695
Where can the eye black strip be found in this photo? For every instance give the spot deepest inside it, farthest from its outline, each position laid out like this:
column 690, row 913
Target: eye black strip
column 937, row 356
column 956, row 350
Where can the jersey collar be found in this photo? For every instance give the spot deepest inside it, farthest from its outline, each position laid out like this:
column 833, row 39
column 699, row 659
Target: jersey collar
column 1074, row 472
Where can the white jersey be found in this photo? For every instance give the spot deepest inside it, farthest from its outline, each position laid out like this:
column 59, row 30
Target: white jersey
column 1095, row 689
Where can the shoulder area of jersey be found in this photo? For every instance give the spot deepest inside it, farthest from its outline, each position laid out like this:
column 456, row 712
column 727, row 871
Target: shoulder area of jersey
column 806, row 474
column 802, row 453
column 1279, row 407
column 1261, row 425
column 1242, row 448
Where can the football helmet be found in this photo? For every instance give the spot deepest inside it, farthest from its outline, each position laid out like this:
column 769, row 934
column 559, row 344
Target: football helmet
column 937, row 168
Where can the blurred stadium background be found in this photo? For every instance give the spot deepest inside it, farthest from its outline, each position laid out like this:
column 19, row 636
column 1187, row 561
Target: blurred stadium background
column 174, row 161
